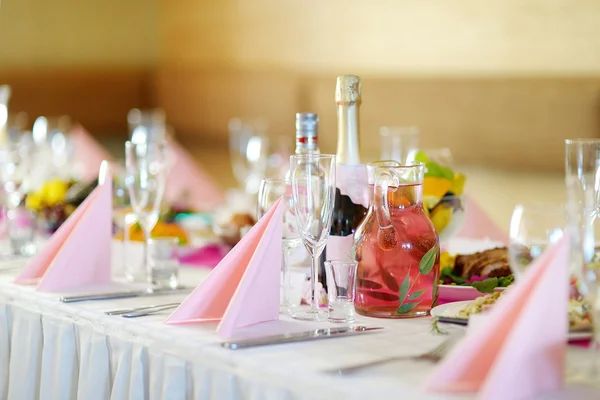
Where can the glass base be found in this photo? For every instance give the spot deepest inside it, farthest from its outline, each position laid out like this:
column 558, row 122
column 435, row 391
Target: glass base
column 308, row 314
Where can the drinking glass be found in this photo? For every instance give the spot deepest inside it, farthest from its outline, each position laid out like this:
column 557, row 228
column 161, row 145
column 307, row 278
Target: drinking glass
column 271, row 189
column 15, row 164
column 399, row 143
column 145, row 165
column 147, row 125
column 341, row 289
column 532, row 229
column 163, row 258
column 249, row 151
column 582, row 177
column 313, row 195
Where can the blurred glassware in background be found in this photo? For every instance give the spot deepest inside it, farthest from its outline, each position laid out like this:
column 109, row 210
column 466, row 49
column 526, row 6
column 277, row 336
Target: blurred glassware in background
column 399, row 143
column 532, row 229
column 148, row 125
column 582, row 177
column 249, row 151
column 271, row 189
column 4, row 98
column 15, row 169
column 441, row 156
column 145, row 165
column 279, row 157
column 53, row 148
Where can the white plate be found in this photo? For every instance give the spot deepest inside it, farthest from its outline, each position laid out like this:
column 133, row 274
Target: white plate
column 451, row 310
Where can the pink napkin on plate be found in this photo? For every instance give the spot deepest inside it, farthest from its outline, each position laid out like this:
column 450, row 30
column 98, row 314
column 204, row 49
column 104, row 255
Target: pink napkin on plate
column 88, row 154
column 189, row 183
column 520, row 351
column 478, row 224
column 243, row 289
column 78, row 253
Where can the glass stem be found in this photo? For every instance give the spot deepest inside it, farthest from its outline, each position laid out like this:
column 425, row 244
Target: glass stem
column 314, row 277
column 286, row 280
column 146, row 253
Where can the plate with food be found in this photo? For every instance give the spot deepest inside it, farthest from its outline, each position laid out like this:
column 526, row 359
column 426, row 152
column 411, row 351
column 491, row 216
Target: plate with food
column 467, row 275
column 579, row 317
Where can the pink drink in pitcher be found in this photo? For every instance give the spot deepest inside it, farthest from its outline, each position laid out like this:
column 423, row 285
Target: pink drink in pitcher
column 397, row 247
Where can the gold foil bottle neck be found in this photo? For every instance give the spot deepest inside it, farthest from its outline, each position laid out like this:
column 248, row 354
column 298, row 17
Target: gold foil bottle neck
column 348, row 89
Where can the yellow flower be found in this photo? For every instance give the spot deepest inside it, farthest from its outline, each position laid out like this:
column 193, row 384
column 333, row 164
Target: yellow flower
column 33, row 201
column 55, row 192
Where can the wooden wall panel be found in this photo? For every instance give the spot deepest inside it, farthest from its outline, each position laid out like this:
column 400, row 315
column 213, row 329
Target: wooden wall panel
column 99, row 99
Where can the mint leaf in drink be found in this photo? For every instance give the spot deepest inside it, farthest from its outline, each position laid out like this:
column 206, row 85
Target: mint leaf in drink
column 428, row 261
column 486, row 286
column 406, row 308
column 404, row 289
column 416, row 294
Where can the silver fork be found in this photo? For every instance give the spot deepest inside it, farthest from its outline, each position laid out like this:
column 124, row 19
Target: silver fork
column 433, row 356
column 124, row 311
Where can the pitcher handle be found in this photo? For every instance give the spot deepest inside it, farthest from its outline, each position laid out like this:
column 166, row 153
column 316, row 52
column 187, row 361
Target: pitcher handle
column 386, row 235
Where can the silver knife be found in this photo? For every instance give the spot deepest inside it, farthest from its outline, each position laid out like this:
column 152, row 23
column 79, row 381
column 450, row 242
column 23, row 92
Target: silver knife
column 125, row 294
column 453, row 320
column 325, row 333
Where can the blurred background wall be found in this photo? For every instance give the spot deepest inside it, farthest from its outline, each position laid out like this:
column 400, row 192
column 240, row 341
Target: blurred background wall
column 500, row 82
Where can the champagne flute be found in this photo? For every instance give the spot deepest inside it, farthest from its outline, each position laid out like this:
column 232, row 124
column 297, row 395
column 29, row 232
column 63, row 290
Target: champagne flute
column 532, row 229
column 313, row 194
column 271, row 189
column 399, row 143
column 249, row 151
column 145, row 164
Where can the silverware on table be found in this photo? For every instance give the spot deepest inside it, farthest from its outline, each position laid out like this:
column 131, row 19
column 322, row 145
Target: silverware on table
column 453, row 320
column 325, row 333
column 122, row 311
column 125, row 294
column 149, row 310
column 433, row 355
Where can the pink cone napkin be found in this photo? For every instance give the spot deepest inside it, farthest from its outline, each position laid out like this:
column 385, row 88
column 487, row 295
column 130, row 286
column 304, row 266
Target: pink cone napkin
column 189, row 183
column 243, row 289
column 520, row 351
column 479, row 225
column 88, row 154
column 78, row 253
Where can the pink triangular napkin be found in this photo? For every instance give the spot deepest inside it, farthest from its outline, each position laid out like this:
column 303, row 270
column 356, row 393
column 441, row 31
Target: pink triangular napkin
column 479, row 225
column 88, row 154
column 520, row 350
column 244, row 288
column 190, row 184
column 78, row 253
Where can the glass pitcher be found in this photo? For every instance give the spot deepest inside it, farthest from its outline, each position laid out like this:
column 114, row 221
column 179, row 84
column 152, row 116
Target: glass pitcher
column 397, row 247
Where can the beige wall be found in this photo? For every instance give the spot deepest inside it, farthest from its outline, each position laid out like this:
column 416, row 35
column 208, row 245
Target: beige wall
column 385, row 37
column 74, row 33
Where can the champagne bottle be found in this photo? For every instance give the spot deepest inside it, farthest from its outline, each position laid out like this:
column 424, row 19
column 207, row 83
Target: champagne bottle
column 346, row 214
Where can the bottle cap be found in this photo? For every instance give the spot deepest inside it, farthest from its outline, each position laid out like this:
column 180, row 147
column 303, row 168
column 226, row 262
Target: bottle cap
column 307, row 128
column 348, row 89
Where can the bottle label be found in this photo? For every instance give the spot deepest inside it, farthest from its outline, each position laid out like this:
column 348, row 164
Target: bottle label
column 339, row 248
column 352, row 181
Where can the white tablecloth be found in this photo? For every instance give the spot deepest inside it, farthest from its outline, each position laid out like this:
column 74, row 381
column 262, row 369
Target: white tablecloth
column 52, row 350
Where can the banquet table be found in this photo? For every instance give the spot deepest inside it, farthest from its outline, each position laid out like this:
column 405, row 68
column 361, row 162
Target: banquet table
column 54, row 350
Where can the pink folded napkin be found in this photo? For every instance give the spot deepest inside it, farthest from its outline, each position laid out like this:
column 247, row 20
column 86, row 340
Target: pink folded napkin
column 78, row 253
column 88, row 154
column 243, row 289
column 478, row 224
column 520, row 351
column 190, row 184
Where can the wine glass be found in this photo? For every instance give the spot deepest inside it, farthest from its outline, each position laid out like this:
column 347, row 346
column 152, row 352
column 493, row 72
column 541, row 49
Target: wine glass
column 145, row 165
column 532, row 229
column 249, row 150
column 399, row 143
column 147, row 125
column 271, row 189
column 313, row 191
column 582, row 177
